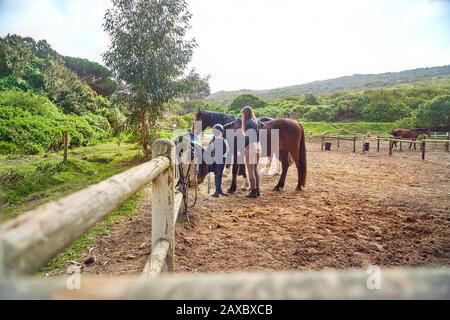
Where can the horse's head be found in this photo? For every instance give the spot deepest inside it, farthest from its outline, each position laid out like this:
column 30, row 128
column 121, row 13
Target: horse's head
column 202, row 172
column 199, row 115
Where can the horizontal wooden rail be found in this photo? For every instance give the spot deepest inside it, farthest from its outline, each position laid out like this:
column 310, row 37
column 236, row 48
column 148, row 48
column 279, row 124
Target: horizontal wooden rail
column 33, row 238
column 413, row 141
column 355, row 284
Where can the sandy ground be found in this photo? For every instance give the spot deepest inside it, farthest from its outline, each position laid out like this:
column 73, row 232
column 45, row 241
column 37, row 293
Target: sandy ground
column 358, row 209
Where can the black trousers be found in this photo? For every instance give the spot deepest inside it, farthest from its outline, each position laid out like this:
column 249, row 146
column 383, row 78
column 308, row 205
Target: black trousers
column 218, row 171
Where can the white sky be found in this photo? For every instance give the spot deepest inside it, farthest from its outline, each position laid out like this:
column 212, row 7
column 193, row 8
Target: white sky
column 258, row 44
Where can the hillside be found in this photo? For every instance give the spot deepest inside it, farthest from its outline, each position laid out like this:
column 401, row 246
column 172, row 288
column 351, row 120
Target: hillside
column 354, row 82
column 43, row 94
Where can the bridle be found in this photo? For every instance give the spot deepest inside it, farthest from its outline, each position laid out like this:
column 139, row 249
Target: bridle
column 184, row 181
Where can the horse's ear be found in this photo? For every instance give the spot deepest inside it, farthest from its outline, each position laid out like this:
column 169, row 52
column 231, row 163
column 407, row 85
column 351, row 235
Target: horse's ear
column 199, row 111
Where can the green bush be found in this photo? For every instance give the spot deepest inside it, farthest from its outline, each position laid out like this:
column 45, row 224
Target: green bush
column 246, row 100
column 31, row 124
column 435, row 112
column 321, row 113
column 383, row 111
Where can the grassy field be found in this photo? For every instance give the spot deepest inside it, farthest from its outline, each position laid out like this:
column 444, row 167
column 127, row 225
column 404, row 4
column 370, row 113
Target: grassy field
column 29, row 181
column 347, row 128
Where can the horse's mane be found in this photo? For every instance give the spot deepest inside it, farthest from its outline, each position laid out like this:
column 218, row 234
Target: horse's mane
column 211, row 118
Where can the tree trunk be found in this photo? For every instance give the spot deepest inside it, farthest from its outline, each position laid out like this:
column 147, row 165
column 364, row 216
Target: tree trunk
column 144, row 135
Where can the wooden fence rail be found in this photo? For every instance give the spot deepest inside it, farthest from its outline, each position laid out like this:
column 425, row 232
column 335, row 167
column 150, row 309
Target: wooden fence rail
column 433, row 283
column 32, row 239
column 391, row 140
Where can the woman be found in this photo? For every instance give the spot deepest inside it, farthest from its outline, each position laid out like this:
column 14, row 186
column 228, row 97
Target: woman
column 250, row 127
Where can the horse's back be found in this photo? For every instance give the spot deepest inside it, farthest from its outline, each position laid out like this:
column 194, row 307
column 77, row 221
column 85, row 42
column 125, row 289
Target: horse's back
column 290, row 132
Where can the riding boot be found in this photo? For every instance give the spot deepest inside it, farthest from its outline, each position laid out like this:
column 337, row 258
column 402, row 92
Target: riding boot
column 258, row 193
column 218, row 184
column 252, row 194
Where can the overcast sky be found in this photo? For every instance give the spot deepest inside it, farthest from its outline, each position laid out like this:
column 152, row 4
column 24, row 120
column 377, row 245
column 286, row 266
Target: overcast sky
column 259, row 44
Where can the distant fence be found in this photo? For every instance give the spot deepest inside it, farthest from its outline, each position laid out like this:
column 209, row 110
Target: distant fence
column 364, row 139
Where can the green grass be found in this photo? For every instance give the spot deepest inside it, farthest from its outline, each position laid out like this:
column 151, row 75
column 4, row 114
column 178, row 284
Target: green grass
column 29, row 181
column 128, row 209
column 347, row 128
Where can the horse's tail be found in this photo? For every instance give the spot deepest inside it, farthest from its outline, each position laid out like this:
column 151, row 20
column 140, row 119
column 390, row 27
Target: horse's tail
column 303, row 158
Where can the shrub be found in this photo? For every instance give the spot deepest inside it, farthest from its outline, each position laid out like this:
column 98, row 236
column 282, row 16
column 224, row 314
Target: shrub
column 31, row 124
column 246, row 100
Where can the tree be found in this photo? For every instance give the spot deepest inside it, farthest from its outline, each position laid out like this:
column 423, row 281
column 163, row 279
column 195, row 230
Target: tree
column 311, row 99
column 435, row 113
column 149, row 51
column 97, row 76
column 247, row 100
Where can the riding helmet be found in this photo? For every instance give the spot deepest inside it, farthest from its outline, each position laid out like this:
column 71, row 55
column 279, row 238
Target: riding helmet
column 218, row 127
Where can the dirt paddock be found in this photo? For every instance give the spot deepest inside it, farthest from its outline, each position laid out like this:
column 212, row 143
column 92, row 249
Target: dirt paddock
column 358, row 209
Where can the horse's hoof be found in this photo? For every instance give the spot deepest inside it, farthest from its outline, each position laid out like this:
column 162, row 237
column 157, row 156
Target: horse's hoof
column 298, row 189
column 277, row 189
column 231, row 190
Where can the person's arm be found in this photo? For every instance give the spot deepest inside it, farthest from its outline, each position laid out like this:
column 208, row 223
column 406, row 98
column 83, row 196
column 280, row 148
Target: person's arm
column 227, row 148
column 210, row 146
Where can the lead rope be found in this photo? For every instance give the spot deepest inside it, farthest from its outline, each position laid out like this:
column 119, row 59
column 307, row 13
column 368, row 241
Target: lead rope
column 183, row 187
column 183, row 184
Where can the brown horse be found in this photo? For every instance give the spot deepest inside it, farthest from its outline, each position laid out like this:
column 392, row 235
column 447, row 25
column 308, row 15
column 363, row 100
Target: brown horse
column 412, row 134
column 291, row 142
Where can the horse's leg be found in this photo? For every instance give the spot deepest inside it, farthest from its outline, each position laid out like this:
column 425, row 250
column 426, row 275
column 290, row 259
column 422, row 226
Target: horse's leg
column 285, row 165
column 227, row 171
column 274, row 166
column 233, row 186
column 265, row 165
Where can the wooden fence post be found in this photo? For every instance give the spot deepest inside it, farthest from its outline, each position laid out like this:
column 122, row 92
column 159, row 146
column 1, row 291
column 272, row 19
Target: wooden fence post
column 391, row 145
column 378, row 144
column 447, row 146
column 338, row 141
column 423, row 150
column 401, row 146
column 323, row 141
column 354, row 144
column 163, row 201
column 66, row 144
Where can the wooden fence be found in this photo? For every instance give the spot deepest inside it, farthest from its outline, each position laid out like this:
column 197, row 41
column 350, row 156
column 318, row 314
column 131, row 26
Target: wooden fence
column 367, row 139
column 32, row 239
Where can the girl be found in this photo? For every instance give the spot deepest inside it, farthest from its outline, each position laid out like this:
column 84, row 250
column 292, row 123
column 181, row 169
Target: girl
column 218, row 148
column 251, row 126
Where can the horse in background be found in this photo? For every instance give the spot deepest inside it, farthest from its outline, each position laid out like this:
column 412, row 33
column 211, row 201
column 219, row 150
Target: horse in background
column 411, row 134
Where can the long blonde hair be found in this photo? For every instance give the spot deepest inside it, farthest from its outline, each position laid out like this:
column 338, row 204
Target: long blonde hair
column 247, row 114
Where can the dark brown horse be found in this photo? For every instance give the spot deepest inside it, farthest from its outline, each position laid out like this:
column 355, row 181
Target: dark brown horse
column 291, row 142
column 411, row 134
column 209, row 119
